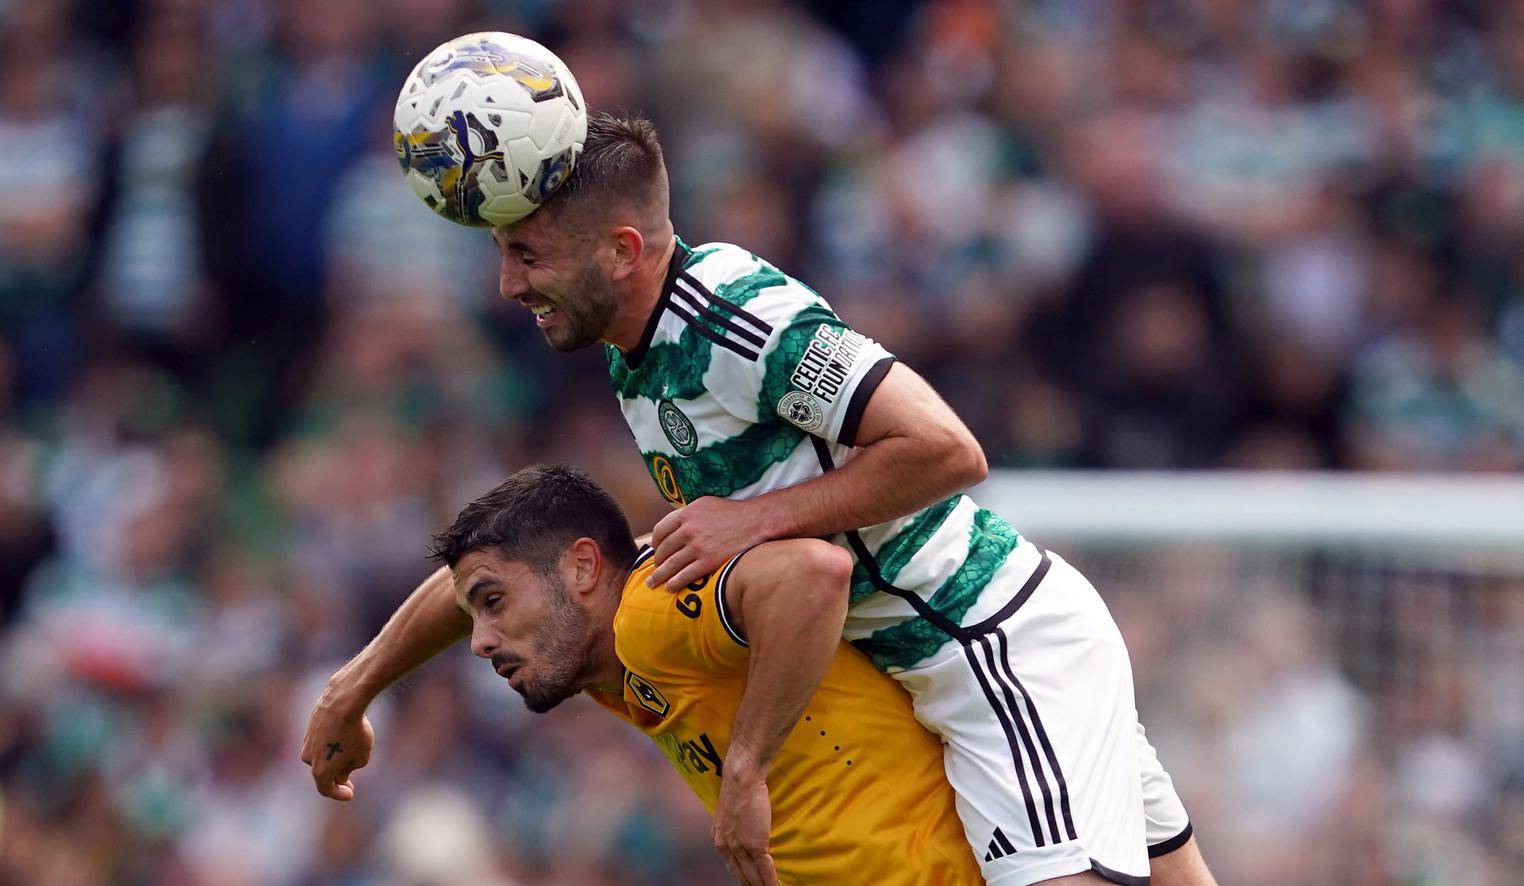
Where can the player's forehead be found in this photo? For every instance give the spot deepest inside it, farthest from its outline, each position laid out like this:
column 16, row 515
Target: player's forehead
column 537, row 231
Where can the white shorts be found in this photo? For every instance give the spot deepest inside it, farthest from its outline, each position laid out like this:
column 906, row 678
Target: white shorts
column 1052, row 770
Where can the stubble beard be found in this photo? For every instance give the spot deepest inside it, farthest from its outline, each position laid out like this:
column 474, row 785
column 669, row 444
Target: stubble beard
column 562, row 646
column 588, row 312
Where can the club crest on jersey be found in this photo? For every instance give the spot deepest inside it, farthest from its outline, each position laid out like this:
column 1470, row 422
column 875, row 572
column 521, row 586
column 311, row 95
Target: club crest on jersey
column 647, row 695
column 679, row 430
column 802, row 411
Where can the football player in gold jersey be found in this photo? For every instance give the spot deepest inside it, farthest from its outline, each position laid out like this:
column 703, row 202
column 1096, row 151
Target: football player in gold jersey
column 555, row 586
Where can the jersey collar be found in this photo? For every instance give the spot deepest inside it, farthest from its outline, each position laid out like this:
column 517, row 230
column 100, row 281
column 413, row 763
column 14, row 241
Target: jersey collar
column 679, row 257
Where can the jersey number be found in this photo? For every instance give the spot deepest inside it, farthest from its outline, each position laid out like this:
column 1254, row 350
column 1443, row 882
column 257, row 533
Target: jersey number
column 690, row 605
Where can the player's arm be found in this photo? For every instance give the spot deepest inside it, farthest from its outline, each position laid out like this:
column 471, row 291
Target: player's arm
column 913, row 451
column 338, row 739
column 787, row 601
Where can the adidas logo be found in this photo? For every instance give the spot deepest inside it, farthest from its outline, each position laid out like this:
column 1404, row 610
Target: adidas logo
column 1000, row 847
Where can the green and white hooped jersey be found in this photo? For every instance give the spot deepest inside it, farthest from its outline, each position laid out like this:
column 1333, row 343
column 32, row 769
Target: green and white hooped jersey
column 746, row 381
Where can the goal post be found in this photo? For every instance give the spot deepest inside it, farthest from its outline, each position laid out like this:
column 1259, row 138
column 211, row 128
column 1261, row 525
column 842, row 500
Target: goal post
column 1324, row 661
column 1303, row 508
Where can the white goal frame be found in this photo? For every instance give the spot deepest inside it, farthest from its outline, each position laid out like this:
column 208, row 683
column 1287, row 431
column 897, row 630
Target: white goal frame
column 1471, row 511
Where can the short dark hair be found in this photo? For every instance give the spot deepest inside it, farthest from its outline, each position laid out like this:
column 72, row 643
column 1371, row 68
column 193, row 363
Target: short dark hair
column 533, row 516
column 621, row 161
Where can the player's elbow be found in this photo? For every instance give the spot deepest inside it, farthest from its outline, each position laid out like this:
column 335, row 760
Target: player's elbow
column 978, row 465
column 963, row 462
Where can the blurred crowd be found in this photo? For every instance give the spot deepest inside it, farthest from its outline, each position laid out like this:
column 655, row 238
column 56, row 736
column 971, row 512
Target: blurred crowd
column 1332, row 716
column 244, row 372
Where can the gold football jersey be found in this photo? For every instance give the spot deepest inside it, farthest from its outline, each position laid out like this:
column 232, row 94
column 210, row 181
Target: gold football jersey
column 858, row 794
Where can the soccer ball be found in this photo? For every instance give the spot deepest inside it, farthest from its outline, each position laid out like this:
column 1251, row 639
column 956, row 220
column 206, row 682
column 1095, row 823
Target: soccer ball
column 487, row 127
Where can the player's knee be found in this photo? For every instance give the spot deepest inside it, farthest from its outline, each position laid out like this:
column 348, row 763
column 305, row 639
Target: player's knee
column 812, row 560
column 826, row 562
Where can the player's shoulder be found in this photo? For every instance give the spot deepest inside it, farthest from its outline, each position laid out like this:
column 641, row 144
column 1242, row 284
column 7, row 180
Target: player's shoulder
column 743, row 298
column 716, row 264
column 652, row 630
column 659, row 632
column 732, row 277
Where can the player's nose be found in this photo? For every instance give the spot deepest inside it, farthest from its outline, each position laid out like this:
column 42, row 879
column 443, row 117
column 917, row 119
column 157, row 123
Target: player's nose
column 484, row 641
column 512, row 283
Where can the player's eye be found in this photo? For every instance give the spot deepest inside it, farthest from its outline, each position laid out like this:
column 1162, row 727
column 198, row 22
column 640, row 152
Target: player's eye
column 491, row 602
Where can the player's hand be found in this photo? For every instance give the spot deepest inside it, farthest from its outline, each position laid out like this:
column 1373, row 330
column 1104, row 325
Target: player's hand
column 697, row 539
column 743, row 819
column 338, row 742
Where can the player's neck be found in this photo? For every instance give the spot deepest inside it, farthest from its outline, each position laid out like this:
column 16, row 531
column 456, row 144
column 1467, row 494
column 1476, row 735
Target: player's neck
column 605, row 672
column 640, row 300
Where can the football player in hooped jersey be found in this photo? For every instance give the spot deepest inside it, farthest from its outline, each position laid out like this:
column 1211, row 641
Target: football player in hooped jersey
column 762, row 415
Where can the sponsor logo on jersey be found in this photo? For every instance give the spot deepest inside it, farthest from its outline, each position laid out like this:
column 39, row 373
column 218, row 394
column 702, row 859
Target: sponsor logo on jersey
column 827, row 362
column 694, row 756
column 679, row 430
column 666, row 481
column 646, row 694
column 802, row 411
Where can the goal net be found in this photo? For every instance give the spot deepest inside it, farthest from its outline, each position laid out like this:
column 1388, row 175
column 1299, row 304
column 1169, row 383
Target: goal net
column 1331, row 666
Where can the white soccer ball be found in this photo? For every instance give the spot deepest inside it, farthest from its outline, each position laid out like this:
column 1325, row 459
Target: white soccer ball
column 487, row 127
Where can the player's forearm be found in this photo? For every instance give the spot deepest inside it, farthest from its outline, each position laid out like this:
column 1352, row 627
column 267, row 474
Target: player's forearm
column 427, row 623
column 886, row 480
column 793, row 621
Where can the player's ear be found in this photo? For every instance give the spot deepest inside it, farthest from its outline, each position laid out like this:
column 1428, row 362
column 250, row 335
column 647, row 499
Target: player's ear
column 581, row 565
column 628, row 247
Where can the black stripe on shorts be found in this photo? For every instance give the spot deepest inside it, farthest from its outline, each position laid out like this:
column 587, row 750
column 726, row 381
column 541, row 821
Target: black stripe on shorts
column 1010, row 737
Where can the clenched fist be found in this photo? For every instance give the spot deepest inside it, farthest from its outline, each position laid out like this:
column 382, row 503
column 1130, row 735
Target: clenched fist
column 338, row 741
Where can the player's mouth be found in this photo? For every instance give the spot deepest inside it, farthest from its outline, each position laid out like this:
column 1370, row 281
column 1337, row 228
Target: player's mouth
column 545, row 313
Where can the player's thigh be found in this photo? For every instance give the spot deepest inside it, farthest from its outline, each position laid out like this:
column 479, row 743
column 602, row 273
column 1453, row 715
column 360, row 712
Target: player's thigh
column 1181, row 867
column 1074, row 880
column 1040, row 726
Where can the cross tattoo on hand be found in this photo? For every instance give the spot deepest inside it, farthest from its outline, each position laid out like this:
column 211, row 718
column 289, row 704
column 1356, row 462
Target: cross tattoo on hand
column 333, row 748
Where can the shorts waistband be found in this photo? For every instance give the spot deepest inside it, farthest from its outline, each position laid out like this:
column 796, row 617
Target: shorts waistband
column 1011, row 605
